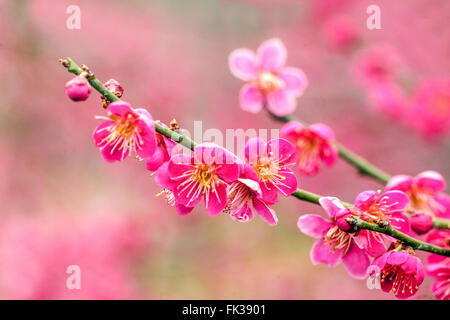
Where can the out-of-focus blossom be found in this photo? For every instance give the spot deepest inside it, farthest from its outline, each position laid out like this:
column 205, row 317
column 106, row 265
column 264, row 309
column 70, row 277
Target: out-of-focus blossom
column 340, row 33
column 313, row 144
column 333, row 244
column 78, row 89
column 125, row 130
column 401, row 273
column 387, row 207
column 245, row 193
column 206, row 174
column 35, row 256
column 270, row 161
column 425, row 192
column 388, row 98
column 268, row 80
column 115, row 87
column 441, row 274
column 163, row 151
column 430, row 110
column 421, row 223
column 440, row 238
column 376, row 64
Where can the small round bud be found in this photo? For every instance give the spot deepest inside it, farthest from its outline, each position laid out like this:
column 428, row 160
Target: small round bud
column 78, row 89
column 114, row 86
column 342, row 219
column 421, row 223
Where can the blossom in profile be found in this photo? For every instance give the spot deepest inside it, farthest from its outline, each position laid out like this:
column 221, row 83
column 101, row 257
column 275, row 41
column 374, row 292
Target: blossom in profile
column 425, row 192
column 271, row 162
column 206, row 174
column 401, row 273
column 244, row 197
column 430, row 109
column 334, row 245
column 268, row 81
column 379, row 208
column 441, row 274
column 125, row 130
column 313, row 144
column 78, row 89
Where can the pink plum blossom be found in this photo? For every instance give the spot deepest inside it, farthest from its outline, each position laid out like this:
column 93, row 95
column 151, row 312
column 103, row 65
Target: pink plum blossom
column 125, row 130
column 270, row 161
column 269, row 82
column 441, row 274
column 440, row 238
column 333, row 244
column 401, row 273
column 78, row 89
column 245, row 193
column 206, row 174
column 313, row 144
column 425, row 192
column 376, row 207
column 388, row 98
column 163, row 151
column 430, row 110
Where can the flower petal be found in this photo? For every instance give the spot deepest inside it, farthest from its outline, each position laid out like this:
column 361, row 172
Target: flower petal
column 281, row 102
column 322, row 130
column 356, row 262
column 314, row 225
column 266, row 213
column 272, row 55
column 216, row 201
column 251, row 98
column 430, row 180
column 365, row 199
column 294, row 80
column 243, row 64
column 331, row 205
column 280, row 150
column 292, row 130
column 254, row 149
column 321, row 253
column 400, row 182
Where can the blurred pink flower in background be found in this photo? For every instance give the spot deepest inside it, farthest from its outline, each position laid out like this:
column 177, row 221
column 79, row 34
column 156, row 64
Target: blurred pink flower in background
column 35, row 255
column 441, row 273
column 340, row 33
column 269, row 82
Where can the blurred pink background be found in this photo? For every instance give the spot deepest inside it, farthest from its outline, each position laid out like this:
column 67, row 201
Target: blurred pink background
column 62, row 204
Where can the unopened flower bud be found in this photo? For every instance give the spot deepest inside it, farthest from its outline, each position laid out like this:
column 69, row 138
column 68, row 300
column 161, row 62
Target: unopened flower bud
column 342, row 218
column 78, row 89
column 421, row 223
column 114, row 86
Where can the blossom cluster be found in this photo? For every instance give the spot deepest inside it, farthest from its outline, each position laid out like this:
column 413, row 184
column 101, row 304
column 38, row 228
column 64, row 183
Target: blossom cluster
column 240, row 188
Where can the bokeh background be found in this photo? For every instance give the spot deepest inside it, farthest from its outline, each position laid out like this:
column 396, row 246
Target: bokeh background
column 62, row 204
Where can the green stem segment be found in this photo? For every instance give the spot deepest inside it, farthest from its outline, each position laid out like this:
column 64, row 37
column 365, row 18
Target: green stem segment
column 441, row 223
column 299, row 194
column 358, row 224
column 364, row 167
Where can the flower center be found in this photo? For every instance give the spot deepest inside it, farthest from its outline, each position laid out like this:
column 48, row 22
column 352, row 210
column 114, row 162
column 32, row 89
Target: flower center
column 268, row 82
column 238, row 194
column 424, row 201
column 401, row 281
column 338, row 239
column 309, row 151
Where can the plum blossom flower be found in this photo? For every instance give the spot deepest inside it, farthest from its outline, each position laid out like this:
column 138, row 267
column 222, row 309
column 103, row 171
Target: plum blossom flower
column 268, row 80
column 125, row 130
column 401, row 273
column 206, row 174
column 245, row 193
column 389, row 99
column 270, row 161
column 163, row 151
column 78, row 89
column 441, row 273
column 376, row 207
column 430, row 110
column 425, row 192
column 313, row 144
column 440, row 238
column 333, row 244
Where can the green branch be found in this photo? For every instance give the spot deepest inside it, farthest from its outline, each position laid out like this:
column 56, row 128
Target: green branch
column 299, row 194
column 416, row 244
